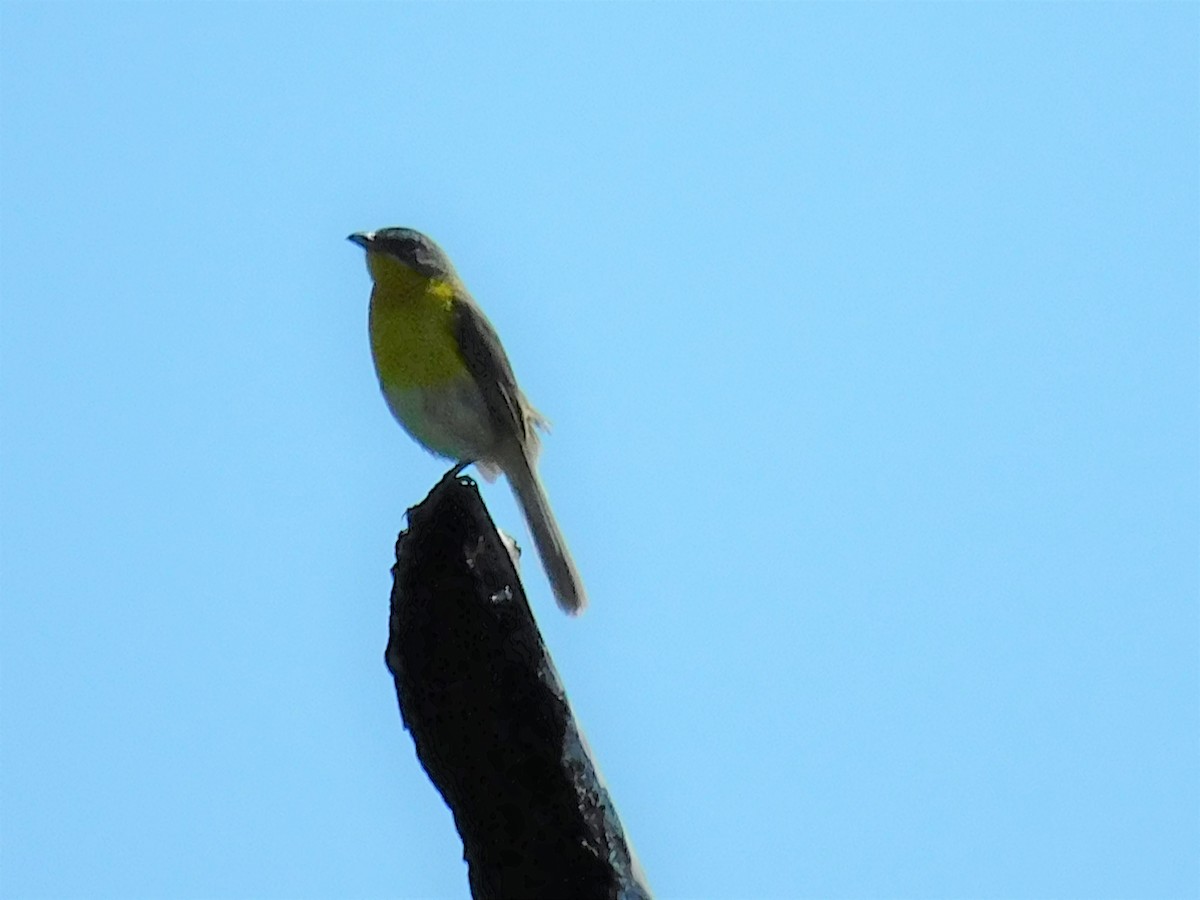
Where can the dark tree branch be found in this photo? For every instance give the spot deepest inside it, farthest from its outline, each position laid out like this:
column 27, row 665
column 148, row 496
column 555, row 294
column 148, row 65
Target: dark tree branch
column 489, row 716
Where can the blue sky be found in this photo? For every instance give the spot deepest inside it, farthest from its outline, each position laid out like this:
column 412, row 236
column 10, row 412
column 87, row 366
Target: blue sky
column 870, row 338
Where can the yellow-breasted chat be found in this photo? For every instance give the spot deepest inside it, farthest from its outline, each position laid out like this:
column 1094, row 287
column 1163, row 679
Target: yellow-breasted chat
column 447, row 380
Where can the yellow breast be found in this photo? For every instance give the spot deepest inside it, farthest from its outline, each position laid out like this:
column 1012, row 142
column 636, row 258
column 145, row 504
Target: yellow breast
column 412, row 327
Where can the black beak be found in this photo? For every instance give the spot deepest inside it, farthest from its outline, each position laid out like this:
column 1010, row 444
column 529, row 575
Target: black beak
column 362, row 238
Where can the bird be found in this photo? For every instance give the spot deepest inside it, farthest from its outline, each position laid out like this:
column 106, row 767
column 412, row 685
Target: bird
column 447, row 380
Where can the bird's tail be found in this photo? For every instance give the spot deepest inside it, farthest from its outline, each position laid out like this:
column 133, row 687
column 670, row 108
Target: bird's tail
column 556, row 558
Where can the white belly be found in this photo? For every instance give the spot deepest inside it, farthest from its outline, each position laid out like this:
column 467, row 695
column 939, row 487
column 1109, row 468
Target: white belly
column 450, row 420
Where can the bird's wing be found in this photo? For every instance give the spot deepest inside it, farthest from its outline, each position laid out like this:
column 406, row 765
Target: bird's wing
column 489, row 366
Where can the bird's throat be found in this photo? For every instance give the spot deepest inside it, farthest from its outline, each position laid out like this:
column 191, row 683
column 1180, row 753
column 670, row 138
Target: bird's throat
column 412, row 329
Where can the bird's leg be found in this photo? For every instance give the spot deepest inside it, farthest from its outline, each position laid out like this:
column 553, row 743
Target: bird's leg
column 451, row 475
